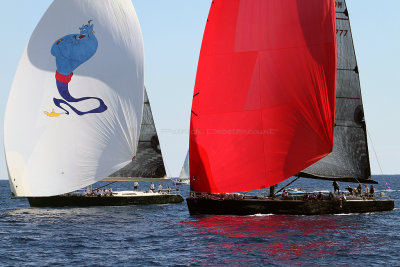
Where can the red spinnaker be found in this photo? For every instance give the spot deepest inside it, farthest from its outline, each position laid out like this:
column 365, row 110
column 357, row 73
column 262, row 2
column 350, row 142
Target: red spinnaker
column 264, row 99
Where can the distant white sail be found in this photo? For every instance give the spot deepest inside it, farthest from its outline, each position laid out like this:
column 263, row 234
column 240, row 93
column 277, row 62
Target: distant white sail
column 75, row 107
column 185, row 168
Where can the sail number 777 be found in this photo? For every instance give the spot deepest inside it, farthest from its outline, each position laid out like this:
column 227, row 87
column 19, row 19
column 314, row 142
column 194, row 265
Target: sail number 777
column 342, row 32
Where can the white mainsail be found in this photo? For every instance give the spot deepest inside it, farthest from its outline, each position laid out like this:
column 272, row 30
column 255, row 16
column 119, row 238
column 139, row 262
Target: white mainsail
column 74, row 111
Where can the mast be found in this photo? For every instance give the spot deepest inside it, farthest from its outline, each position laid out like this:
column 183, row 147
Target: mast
column 148, row 162
column 349, row 160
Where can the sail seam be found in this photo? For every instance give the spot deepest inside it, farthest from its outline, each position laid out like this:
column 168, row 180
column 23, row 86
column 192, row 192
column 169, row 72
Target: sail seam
column 343, row 97
column 348, row 126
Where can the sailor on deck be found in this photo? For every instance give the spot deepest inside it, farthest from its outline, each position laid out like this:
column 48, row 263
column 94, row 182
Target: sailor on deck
column 152, row 187
column 136, row 185
column 359, row 189
column 159, row 188
column 372, row 190
column 366, row 190
column 350, row 189
column 335, row 187
column 98, row 193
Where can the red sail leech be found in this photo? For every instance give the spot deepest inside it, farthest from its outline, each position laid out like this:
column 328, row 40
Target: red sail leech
column 265, row 86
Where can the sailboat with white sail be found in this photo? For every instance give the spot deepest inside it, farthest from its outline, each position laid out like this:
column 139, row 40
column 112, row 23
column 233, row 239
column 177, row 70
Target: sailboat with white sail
column 75, row 110
column 278, row 85
column 183, row 178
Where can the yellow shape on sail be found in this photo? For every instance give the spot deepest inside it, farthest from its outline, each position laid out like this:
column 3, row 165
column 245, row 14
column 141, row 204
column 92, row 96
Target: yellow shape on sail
column 52, row 113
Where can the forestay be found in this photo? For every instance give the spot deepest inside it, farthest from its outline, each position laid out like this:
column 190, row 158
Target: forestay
column 264, row 98
column 75, row 106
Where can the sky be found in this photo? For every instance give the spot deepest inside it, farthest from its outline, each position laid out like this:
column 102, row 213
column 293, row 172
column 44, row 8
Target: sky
column 172, row 32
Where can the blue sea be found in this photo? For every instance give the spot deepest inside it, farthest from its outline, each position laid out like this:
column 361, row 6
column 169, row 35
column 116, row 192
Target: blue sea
column 166, row 235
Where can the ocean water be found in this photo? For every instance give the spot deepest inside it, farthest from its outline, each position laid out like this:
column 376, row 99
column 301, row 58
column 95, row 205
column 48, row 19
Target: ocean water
column 166, row 235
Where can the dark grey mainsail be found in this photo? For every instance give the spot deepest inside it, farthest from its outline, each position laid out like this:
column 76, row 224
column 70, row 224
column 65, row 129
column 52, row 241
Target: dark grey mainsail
column 148, row 162
column 349, row 160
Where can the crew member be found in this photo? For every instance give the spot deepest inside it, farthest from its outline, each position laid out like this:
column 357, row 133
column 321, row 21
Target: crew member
column 359, row 189
column 372, row 190
column 350, row 189
column 136, row 185
column 152, row 187
column 335, row 187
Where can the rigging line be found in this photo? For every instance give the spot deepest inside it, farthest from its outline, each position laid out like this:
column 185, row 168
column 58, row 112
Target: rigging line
column 346, row 69
column 343, row 97
column 348, row 126
column 297, row 177
column 373, row 148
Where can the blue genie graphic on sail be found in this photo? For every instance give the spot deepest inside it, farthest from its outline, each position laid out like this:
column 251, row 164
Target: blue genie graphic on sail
column 70, row 52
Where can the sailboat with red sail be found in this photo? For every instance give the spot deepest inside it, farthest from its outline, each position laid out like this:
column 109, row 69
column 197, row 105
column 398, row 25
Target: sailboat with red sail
column 276, row 95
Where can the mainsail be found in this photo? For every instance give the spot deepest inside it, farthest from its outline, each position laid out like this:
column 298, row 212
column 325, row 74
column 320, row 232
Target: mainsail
column 75, row 107
column 264, row 99
column 148, row 162
column 349, row 160
column 185, row 174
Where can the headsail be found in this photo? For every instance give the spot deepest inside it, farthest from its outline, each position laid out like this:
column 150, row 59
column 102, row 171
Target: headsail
column 75, row 107
column 148, row 162
column 263, row 104
column 185, row 174
column 349, row 160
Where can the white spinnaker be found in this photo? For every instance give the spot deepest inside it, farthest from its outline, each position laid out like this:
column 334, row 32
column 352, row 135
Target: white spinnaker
column 54, row 155
column 185, row 168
